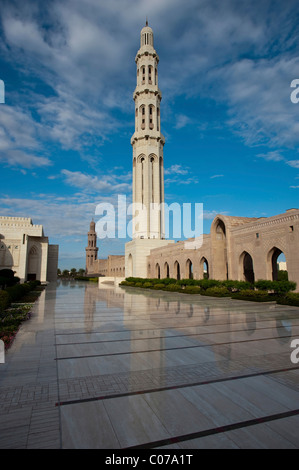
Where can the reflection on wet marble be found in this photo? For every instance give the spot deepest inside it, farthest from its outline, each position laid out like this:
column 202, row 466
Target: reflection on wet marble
column 162, row 365
column 124, row 367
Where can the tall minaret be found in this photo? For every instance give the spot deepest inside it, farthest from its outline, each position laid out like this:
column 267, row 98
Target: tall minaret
column 148, row 230
column 148, row 142
column 91, row 249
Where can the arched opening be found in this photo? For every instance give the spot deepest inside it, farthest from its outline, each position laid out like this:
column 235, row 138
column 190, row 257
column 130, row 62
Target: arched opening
column 189, row 269
column 247, row 267
column 142, row 116
column 150, row 68
column 276, row 258
column 282, row 269
column 177, row 271
column 152, row 159
column 130, row 266
column 204, row 268
column 143, row 74
column 33, row 264
column 166, row 270
column 220, row 230
column 157, row 271
column 151, row 116
column 219, row 250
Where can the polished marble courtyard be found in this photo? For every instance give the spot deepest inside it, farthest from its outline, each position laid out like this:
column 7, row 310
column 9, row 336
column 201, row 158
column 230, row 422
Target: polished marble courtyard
column 117, row 368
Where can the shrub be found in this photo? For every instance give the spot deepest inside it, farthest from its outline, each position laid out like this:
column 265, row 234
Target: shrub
column 135, row 279
column 18, row 291
column 168, row 280
column 173, row 288
column 7, row 273
column 188, row 282
column 8, row 281
column 159, row 286
column 127, row 283
column 147, row 285
column 279, row 287
column 282, row 275
column 217, row 291
column 236, row 286
column 291, row 298
column 138, row 284
column 4, row 301
column 283, row 287
column 253, row 295
column 192, row 290
column 262, row 284
column 208, row 283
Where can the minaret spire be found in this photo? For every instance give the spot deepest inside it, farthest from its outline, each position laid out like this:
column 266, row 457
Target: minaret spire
column 147, row 141
column 148, row 179
column 91, row 249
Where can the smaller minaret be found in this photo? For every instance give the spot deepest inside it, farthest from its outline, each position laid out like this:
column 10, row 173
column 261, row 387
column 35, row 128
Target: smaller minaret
column 91, row 249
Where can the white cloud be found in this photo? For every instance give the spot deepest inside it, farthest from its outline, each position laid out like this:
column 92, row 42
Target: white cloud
column 106, row 184
column 293, row 163
column 85, row 53
column 179, row 175
column 181, row 121
column 216, row 176
column 274, row 156
column 19, row 139
column 176, row 170
column 59, row 219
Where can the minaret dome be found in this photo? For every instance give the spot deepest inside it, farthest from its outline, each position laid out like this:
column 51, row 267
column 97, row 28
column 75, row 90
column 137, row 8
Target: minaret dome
column 146, row 36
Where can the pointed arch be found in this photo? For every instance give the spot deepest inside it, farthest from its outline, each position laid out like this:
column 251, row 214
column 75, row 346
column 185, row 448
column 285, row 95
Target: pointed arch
column 204, row 268
column 189, row 269
column 177, row 270
column 158, row 273
column 246, row 267
column 166, row 270
column 272, row 258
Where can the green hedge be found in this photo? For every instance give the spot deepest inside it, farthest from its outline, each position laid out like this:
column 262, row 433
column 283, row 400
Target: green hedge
column 259, row 291
column 85, row 278
column 18, row 291
column 278, row 287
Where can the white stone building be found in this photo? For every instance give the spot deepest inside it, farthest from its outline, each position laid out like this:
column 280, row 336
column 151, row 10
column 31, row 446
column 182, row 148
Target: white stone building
column 25, row 249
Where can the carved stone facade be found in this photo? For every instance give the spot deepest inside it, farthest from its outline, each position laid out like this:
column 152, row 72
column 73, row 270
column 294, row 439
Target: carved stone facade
column 25, row 249
column 237, row 248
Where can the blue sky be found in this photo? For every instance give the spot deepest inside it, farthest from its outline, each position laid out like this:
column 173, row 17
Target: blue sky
column 231, row 129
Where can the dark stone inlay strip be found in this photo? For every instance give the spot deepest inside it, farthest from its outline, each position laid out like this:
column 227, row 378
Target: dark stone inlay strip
column 213, row 431
column 173, row 387
column 168, row 349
